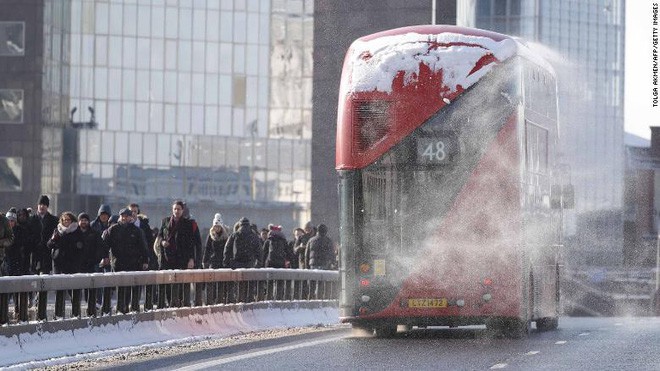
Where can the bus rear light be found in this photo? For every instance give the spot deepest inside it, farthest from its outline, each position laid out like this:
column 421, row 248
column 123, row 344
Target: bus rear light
column 365, row 298
column 364, row 282
column 365, row 268
column 364, row 310
column 487, row 297
column 488, row 281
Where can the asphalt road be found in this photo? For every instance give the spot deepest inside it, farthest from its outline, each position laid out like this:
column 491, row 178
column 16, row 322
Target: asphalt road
column 579, row 344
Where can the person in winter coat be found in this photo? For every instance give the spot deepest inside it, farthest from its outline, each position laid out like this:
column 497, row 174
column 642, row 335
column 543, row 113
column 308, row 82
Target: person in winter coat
column 142, row 221
column 66, row 245
column 101, row 224
column 297, row 249
column 320, row 253
column 128, row 246
column 275, row 249
column 243, row 247
column 197, row 236
column 102, row 220
column 13, row 263
column 42, row 224
column 215, row 243
column 93, row 246
column 176, row 239
column 6, row 238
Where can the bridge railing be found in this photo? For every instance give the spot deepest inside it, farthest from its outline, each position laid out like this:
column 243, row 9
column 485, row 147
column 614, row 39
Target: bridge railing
column 55, row 297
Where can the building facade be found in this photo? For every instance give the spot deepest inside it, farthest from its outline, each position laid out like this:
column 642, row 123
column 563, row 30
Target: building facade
column 205, row 101
column 584, row 40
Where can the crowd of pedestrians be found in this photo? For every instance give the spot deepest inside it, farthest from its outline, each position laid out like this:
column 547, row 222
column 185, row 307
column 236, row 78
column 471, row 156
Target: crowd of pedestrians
column 37, row 242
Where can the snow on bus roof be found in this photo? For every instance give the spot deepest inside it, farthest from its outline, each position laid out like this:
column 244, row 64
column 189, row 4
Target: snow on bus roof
column 377, row 61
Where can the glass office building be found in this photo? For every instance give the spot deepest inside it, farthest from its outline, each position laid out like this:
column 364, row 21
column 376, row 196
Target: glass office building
column 587, row 42
column 207, row 101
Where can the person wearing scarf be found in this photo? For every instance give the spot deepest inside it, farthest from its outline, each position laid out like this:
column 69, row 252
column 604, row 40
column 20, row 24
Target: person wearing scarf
column 66, row 245
column 176, row 240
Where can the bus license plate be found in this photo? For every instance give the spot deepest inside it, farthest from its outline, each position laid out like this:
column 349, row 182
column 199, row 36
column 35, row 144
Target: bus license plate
column 427, row 303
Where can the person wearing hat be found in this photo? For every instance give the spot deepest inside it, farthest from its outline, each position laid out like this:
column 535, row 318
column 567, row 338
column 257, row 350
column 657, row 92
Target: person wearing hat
column 14, row 254
column 128, row 246
column 42, row 225
column 243, row 247
column 6, row 240
column 215, row 243
column 94, row 248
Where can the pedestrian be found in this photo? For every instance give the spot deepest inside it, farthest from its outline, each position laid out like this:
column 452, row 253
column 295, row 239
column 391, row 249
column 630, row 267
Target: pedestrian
column 177, row 240
column 215, row 243
column 66, row 245
column 242, row 249
column 310, row 231
column 94, row 251
column 275, row 248
column 12, row 264
column 128, row 246
column 298, row 249
column 102, row 220
column 94, row 248
column 320, row 253
column 42, row 226
column 142, row 221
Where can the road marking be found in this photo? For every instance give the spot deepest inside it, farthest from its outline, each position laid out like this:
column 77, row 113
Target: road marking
column 618, row 324
column 533, row 352
column 584, row 334
column 498, row 365
column 217, row 362
column 560, row 342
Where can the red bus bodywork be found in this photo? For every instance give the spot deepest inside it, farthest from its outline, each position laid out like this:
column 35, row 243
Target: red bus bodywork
column 445, row 184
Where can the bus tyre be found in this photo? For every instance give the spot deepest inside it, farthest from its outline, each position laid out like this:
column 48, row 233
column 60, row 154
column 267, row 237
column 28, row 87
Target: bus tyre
column 385, row 331
column 547, row 323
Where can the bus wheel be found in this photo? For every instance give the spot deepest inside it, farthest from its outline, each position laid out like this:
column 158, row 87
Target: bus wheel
column 547, row 323
column 385, row 331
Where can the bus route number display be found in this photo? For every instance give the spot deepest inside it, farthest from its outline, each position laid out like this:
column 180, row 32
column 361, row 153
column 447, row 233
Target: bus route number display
column 435, row 150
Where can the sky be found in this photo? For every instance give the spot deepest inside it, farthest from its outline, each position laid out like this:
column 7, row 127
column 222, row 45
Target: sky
column 638, row 103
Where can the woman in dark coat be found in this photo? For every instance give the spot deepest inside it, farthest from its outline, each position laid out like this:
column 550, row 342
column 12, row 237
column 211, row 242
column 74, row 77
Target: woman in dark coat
column 215, row 244
column 66, row 245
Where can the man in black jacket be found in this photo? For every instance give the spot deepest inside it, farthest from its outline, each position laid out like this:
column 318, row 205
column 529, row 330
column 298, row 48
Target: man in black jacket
column 129, row 251
column 42, row 224
column 243, row 248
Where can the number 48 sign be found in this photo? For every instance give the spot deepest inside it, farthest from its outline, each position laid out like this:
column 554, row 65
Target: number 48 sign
column 434, row 150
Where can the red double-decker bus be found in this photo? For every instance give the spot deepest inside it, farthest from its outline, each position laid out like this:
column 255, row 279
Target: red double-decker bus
column 450, row 195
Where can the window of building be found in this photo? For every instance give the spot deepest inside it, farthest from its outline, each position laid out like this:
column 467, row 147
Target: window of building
column 11, row 106
column 12, row 39
column 239, row 91
column 11, row 176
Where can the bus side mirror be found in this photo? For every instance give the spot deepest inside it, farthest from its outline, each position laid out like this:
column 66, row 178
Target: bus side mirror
column 560, row 193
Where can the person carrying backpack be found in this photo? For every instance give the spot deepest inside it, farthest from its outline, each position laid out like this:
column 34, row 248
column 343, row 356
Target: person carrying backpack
column 242, row 249
column 275, row 248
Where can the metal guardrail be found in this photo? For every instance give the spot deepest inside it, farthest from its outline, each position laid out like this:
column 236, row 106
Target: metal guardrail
column 135, row 292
